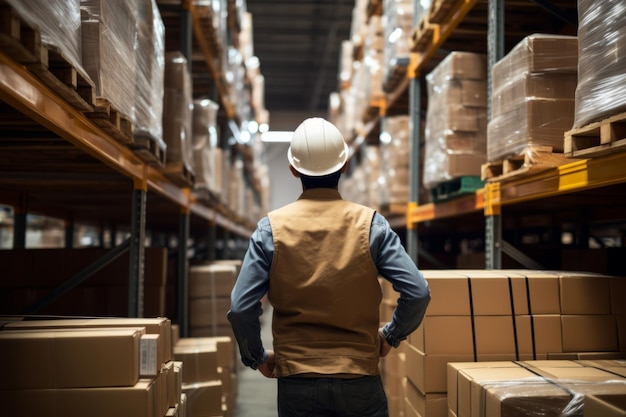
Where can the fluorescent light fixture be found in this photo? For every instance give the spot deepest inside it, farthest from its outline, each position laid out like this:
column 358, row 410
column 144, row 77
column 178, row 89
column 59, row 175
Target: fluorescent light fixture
column 264, row 127
column 276, row 136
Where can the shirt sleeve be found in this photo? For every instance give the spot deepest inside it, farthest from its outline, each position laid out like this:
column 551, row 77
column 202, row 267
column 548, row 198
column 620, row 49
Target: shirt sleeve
column 395, row 265
column 251, row 285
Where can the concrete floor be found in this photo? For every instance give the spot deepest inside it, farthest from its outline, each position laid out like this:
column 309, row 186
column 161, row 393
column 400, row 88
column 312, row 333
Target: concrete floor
column 257, row 395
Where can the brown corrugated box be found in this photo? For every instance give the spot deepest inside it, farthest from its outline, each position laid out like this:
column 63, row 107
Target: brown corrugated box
column 587, row 333
column 139, row 400
column 605, row 405
column 444, row 335
column 428, row 371
column 204, row 399
column 70, row 358
column 199, row 362
column 159, row 325
column 224, row 344
column 426, row 405
column 212, row 280
column 208, row 311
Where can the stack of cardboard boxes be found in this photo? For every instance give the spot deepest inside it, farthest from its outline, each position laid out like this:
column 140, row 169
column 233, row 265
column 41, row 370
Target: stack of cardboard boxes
column 210, row 286
column 533, row 96
column 456, row 120
column 132, row 367
column 518, row 315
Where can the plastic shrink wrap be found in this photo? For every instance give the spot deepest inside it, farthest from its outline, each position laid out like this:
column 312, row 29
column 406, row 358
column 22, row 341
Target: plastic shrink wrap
column 58, row 22
column 601, row 90
column 205, row 145
column 177, row 110
column 109, row 30
column 456, row 120
column 150, row 59
column 532, row 100
column 398, row 24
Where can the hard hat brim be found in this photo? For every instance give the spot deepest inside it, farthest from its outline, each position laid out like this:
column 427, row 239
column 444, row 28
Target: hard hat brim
column 321, row 172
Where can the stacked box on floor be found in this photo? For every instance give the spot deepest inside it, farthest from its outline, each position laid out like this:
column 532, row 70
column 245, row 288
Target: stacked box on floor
column 601, row 90
column 516, row 315
column 150, row 59
column 177, row 111
column 533, row 96
column 393, row 366
column 210, row 286
column 77, row 367
column 199, row 354
column 456, row 120
column 109, row 30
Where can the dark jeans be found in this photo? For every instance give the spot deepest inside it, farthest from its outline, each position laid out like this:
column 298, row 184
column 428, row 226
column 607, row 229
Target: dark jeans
column 332, row 397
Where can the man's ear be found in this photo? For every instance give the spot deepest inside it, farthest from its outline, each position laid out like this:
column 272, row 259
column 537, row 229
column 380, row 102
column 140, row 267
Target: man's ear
column 345, row 166
column 293, row 171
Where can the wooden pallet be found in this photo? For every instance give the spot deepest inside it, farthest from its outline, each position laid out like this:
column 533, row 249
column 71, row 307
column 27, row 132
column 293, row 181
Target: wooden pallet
column 598, row 138
column 149, row 149
column 532, row 160
column 423, row 35
column 440, row 10
column 111, row 121
column 179, row 173
column 23, row 43
column 396, row 75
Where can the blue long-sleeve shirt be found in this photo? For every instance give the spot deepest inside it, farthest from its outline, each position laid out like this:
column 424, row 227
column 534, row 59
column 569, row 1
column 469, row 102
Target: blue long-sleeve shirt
column 392, row 262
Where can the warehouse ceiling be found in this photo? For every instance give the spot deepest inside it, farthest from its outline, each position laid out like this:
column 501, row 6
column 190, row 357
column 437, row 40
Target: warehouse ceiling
column 298, row 43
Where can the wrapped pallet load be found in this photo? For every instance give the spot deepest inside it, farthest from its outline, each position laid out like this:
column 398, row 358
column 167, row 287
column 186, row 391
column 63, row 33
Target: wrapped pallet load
column 109, row 31
column 533, row 89
column 456, row 120
column 601, row 90
column 58, row 22
column 398, row 24
column 150, row 59
column 207, row 155
column 178, row 113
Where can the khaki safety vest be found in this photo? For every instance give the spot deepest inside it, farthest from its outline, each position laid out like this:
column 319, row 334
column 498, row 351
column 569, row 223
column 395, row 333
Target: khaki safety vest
column 324, row 287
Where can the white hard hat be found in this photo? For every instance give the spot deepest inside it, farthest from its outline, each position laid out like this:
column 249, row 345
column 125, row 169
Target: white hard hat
column 317, row 148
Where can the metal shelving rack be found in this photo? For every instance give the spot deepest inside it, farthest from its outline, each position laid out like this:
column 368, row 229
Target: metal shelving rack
column 574, row 177
column 110, row 165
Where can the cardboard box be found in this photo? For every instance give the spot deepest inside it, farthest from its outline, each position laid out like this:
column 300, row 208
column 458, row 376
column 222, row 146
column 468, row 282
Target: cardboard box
column 208, row 311
column 138, row 400
column 199, row 362
column 444, row 335
column 449, row 293
column 158, row 325
column 525, row 398
column 585, row 294
column 428, row 372
column 605, row 405
column 70, row 359
column 452, row 371
column 470, row 382
column 494, row 335
column 215, row 280
column 225, row 348
column 617, row 290
column 538, row 335
column 426, row 405
column 589, row 333
column 204, row 399
column 491, row 295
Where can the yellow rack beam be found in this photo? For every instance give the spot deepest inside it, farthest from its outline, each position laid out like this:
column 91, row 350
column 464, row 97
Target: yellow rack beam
column 461, row 205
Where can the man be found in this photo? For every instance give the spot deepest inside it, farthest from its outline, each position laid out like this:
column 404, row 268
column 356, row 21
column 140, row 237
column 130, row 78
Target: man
column 318, row 260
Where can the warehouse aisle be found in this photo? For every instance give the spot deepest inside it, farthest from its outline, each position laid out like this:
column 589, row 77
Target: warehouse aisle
column 257, row 394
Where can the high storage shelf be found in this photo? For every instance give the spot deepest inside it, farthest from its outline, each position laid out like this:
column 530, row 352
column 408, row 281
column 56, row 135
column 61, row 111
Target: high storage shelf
column 584, row 184
column 56, row 162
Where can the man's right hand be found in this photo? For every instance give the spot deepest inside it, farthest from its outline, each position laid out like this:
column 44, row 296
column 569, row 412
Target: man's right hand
column 267, row 369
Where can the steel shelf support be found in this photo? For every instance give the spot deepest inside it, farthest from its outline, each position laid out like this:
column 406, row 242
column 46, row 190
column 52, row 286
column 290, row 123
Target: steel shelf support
column 69, row 233
column 183, row 273
column 136, row 262
column 19, row 230
column 495, row 46
column 77, row 279
column 414, row 171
